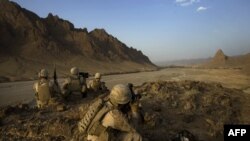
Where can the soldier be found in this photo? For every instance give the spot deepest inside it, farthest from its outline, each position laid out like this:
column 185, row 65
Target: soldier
column 105, row 121
column 135, row 109
column 75, row 84
column 45, row 90
column 96, row 85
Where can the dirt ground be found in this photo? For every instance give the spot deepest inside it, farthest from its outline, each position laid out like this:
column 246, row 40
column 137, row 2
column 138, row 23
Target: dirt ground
column 16, row 92
column 194, row 103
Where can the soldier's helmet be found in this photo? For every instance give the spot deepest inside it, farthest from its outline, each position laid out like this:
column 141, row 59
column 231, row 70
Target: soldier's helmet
column 120, row 94
column 97, row 75
column 43, row 73
column 74, row 71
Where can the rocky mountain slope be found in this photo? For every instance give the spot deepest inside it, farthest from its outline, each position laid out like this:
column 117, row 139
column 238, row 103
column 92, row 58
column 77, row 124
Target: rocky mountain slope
column 29, row 43
column 220, row 60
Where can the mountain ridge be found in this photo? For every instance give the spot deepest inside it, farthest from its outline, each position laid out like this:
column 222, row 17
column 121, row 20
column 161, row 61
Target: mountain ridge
column 31, row 41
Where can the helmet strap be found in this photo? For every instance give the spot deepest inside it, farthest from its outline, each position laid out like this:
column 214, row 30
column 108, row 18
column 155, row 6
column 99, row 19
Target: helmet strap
column 113, row 103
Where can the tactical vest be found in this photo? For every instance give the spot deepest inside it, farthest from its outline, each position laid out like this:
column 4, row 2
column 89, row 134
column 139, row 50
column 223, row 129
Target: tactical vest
column 43, row 91
column 75, row 85
column 91, row 122
column 96, row 85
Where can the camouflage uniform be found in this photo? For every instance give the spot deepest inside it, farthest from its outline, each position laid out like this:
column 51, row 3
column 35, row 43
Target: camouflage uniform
column 45, row 90
column 110, row 124
column 74, row 84
column 96, row 86
column 135, row 112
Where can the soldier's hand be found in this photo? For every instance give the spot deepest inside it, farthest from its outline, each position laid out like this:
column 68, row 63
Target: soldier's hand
column 134, row 106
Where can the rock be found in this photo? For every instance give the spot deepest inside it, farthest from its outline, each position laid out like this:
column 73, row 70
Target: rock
column 152, row 119
column 60, row 108
column 155, row 88
column 174, row 104
column 188, row 106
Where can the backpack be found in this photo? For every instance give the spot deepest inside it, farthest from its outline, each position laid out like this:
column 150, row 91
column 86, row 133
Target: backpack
column 44, row 93
column 74, row 84
column 91, row 122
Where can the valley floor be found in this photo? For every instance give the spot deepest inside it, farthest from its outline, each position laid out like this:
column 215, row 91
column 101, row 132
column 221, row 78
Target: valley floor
column 16, row 92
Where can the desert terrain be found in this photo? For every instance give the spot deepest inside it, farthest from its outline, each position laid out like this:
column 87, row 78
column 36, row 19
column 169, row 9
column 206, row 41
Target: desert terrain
column 193, row 100
column 16, row 92
column 175, row 101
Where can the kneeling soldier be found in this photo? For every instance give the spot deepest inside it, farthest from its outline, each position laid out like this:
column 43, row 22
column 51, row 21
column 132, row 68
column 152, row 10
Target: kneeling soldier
column 45, row 90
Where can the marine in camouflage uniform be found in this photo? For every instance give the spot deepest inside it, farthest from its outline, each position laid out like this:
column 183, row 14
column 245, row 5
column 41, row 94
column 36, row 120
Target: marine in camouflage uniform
column 109, row 123
column 74, row 84
column 135, row 111
column 46, row 91
column 96, row 85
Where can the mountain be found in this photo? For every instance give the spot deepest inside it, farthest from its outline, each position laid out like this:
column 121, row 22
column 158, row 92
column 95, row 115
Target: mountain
column 220, row 60
column 29, row 43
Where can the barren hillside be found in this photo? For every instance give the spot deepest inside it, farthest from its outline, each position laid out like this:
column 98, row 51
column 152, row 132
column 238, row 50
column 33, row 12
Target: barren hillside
column 29, row 42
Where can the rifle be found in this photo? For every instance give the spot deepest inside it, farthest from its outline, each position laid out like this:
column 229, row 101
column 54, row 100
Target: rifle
column 135, row 97
column 55, row 76
column 83, row 74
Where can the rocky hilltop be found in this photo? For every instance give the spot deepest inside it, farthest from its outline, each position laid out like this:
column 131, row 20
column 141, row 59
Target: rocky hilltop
column 221, row 60
column 29, row 42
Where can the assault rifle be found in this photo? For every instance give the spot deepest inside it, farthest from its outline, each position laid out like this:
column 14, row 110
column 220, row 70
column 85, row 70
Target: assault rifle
column 135, row 97
column 84, row 74
column 55, row 76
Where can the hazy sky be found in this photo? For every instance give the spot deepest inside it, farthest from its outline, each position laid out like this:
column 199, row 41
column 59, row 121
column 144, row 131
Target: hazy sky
column 162, row 29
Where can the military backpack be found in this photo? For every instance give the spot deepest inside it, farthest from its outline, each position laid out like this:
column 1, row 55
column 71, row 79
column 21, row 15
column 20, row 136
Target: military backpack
column 43, row 92
column 91, row 122
column 74, row 84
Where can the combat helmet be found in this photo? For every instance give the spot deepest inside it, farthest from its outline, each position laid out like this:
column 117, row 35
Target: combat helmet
column 97, row 75
column 43, row 73
column 74, row 71
column 120, row 94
